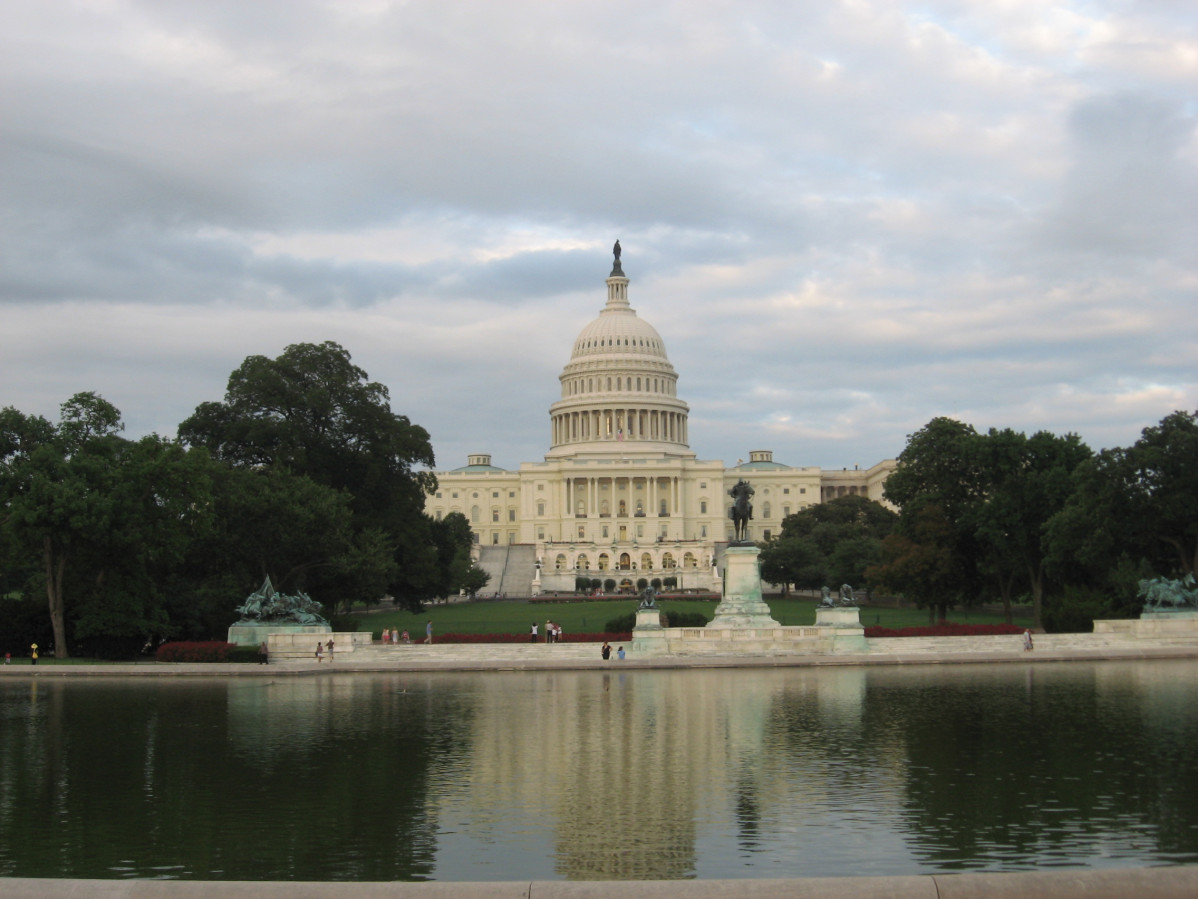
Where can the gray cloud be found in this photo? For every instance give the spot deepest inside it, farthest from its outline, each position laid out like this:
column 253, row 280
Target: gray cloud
column 843, row 218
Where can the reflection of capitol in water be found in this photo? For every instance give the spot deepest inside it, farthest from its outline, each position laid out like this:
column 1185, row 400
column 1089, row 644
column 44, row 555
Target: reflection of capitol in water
column 528, row 776
column 624, row 767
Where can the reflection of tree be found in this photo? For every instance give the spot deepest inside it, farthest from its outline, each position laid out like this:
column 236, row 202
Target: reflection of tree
column 215, row 792
column 1064, row 765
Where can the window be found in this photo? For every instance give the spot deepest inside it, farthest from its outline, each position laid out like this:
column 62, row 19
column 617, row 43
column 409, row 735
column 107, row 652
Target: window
column 785, row 511
column 767, row 534
column 703, row 530
column 494, row 494
column 703, row 506
column 495, row 539
column 494, row 515
column 511, row 494
column 511, row 514
column 604, row 561
column 786, row 490
column 802, row 490
column 474, row 514
column 540, row 533
column 765, row 510
column 560, row 562
column 540, row 509
column 439, row 494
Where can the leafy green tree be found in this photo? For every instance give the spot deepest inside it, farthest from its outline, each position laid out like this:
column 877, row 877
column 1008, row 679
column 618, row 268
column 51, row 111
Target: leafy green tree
column 106, row 517
column 312, row 412
column 833, row 542
column 937, row 487
column 1026, row 481
column 1130, row 514
column 793, row 560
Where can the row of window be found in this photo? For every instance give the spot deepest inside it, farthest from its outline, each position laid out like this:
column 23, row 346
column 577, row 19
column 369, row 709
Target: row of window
column 576, row 386
column 624, row 562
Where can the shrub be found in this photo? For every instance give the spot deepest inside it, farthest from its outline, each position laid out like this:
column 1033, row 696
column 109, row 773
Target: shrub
column 620, row 625
column 669, row 582
column 582, row 584
column 211, row 651
column 686, row 619
column 641, row 584
column 609, row 585
column 655, row 583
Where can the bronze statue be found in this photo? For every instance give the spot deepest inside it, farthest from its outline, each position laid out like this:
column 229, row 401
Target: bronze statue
column 616, row 250
column 1161, row 594
column 267, row 606
column 648, row 599
column 742, row 510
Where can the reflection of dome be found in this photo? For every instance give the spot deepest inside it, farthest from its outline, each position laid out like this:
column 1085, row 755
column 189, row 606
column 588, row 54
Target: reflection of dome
column 619, row 387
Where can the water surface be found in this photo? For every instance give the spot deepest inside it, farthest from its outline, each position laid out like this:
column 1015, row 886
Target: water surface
column 595, row 775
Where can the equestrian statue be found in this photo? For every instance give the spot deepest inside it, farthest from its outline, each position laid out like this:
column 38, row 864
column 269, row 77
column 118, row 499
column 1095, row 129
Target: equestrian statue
column 742, row 510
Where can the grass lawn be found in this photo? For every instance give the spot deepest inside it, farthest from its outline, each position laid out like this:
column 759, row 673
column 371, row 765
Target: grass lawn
column 515, row 617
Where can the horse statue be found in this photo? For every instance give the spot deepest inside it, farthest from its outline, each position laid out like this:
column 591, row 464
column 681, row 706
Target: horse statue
column 1163, row 594
column 742, row 510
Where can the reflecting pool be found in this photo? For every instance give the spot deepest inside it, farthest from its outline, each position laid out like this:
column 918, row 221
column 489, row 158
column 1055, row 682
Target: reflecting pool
column 597, row 775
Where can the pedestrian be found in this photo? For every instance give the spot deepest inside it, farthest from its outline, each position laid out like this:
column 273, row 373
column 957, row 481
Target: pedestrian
column 557, row 633
column 33, row 652
column 1027, row 640
column 263, row 653
column 428, row 632
column 406, row 638
column 606, row 651
column 620, row 653
column 386, row 635
column 330, row 650
column 548, row 630
column 534, row 632
column 319, row 652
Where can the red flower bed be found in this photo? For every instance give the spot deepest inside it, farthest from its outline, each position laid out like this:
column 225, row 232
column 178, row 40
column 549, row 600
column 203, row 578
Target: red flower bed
column 212, row 651
column 524, row 638
column 945, row 629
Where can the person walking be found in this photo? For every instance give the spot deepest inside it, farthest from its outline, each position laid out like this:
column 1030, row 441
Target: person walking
column 605, row 651
column 319, row 652
column 428, row 632
column 33, row 653
column 534, row 632
column 330, row 647
column 548, row 630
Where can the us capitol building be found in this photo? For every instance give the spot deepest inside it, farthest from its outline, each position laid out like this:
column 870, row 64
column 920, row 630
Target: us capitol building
column 621, row 495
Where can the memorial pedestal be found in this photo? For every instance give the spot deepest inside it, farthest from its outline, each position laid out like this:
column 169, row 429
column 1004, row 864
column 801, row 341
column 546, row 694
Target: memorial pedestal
column 648, row 636
column 742, row 606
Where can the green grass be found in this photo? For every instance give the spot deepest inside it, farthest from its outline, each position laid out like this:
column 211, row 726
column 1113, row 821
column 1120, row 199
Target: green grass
column 514, row 617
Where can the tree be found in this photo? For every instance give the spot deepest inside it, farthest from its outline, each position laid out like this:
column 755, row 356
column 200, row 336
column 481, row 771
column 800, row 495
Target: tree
column 1026, row 481
column 832, row 542
column 792, row 560
column 1130, row 513
column 312, row 412
column 107, row 517
column 937, row 487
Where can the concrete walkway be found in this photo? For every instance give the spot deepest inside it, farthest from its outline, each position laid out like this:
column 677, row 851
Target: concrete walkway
column 1180, row 882
column 585, row 656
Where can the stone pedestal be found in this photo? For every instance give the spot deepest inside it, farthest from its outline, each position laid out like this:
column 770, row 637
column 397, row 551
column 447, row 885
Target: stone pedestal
column 844, row 622
column 648, row 636
column 256, row 634
column 838, row 616
column 742, row 606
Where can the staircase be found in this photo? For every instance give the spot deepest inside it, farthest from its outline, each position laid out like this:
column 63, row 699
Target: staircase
column 511, row 568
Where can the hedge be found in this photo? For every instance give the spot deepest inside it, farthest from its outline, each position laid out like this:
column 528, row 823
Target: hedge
column 210, row 651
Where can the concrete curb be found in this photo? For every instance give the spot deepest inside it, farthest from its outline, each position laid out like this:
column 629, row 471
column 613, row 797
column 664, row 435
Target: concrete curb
column 450, row 663
column 1179, row 882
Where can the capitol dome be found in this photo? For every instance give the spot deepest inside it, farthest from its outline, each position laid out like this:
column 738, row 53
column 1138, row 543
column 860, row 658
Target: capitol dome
column 619, row 390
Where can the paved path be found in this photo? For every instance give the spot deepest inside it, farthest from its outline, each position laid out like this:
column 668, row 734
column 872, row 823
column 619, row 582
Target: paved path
column 584, row 656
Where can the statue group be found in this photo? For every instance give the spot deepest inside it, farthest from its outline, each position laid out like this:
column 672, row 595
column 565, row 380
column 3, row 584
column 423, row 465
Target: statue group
column 847, row 598
column 1164, row 595
column 267, row 606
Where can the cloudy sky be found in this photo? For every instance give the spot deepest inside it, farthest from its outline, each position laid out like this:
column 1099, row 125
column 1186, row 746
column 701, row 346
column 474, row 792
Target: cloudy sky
column 844, row 218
